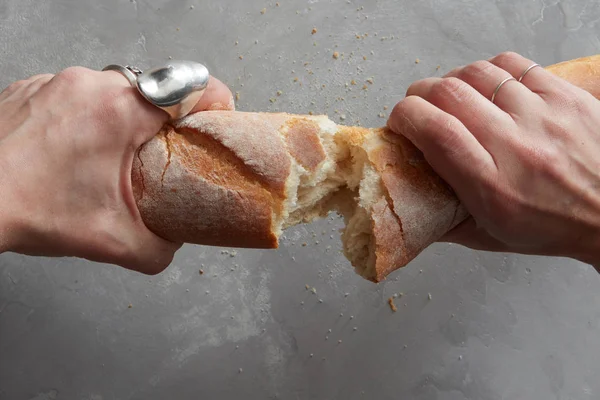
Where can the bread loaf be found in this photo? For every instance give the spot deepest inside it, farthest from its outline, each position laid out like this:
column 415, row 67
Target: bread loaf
column 239, row 179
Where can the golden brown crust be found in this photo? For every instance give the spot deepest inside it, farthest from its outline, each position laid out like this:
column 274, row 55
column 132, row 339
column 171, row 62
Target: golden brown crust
column 304, row 144
column 185, row 201
column 418, row 207
column 218, row 178
column 583, row 72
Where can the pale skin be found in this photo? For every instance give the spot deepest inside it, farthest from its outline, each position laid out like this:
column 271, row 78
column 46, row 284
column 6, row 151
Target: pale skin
column 526, row 166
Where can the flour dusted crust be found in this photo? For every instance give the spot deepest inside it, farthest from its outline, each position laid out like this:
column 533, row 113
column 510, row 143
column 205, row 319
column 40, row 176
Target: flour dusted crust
column 236, row 179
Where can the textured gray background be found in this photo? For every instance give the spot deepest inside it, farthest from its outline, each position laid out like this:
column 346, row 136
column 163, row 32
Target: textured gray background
column 497, row 326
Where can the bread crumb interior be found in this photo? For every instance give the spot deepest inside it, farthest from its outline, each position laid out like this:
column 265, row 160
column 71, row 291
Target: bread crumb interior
column 346, row 182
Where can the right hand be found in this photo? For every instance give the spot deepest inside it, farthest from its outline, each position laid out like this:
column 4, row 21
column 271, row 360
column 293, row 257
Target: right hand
column 67, row 144
column 527, row 168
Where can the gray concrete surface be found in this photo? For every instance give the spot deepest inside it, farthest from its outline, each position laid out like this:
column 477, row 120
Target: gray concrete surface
column 497, row 326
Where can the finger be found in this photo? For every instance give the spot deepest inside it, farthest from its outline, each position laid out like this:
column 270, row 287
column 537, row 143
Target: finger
column 486, row 78
column 446, row 144
column 35, row 83
column 153, row 254
column 216, row 97
column 537, row 79
column 476, row 113
column 23, row 90
column 148, row 118
column 469, row 234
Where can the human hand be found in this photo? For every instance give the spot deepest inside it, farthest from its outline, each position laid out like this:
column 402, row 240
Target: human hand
column 526, row 167
column 67, row 144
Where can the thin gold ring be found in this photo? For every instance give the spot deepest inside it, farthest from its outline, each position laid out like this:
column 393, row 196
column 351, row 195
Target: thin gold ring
column 500, row 85
column 527, row 70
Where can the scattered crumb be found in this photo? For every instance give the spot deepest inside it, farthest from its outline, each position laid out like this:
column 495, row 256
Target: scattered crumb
column 313, row 290
column 340, row 341
column 353, row 82
column 295, row 79
column 201, row 272
column 177, row 29
column 279, row 93
column 460, row 357
column 370, row 80
column 320, row 300
column 303, row 244
column 438, row 67
column 236, row 42
column 263, row 11
column 307, row 287
column 385, row 107
column 273, row 100
column 170, row 57
column 417, row 61
column 392, row 305
column 240, row 370
column 241, row 57
column 311, row 355
column 355, row 329
column 237, row 96
column 429, row 296
column 276, row 4
column 130, row 306
column 365, row 58
column 381, row 115
column 365, row 87
column 336, row 55
column 346, row 294
column 191, row 7
column 352, row 317
column 343, row 117
column 314, row 30
column 312, row 113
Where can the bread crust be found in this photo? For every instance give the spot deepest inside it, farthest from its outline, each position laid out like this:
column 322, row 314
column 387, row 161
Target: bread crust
column 419, row 206
column 582, row 72
column 219, row 178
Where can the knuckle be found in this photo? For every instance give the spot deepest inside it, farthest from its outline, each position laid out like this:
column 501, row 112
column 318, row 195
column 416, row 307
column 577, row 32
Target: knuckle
column 399, row 120
column 506, row 57
column 112, row 105
column 13, row 87
column 448, row 88
column 477, row 69
column 74, row 77
column 446, row 128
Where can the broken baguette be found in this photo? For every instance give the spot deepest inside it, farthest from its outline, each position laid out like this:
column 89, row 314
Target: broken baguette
column 239, row 179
